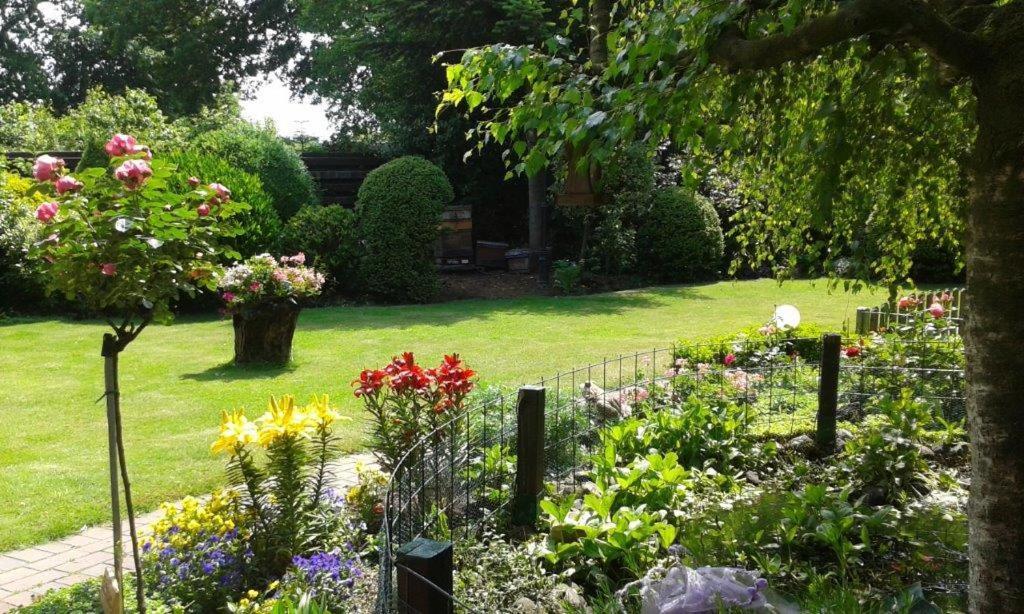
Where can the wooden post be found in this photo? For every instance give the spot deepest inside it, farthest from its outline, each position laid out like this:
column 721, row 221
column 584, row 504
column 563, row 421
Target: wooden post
column 425, row 577
column 828, row 393
column 863, row 322
column 111, row 393
column 529, row 456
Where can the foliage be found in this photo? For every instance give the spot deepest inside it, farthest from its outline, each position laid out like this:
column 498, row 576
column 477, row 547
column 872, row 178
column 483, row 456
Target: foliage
column 886, row 454
column 259, row 151
column 261, row 226
column 327, row 235
column 701, row 433
column 35, row 127
column 566, row 276
column 627, row 184
column 121, row 239
column 262, row 279
column 681, row 238
column 20, row 284
column 666, row 83
column 84, row 598
column 366, row 497
column 282, row 493
column 197, row 554
column 494, row 574
column 407, row 402
column 753, row 345
column 399, row 208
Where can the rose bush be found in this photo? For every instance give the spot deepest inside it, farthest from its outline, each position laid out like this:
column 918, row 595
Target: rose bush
column 121, row 240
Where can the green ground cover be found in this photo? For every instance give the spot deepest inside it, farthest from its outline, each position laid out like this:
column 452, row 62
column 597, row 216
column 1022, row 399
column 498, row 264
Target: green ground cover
column 177, row 379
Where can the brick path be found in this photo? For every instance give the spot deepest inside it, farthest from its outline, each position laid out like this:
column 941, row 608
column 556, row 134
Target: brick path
column 29, row 573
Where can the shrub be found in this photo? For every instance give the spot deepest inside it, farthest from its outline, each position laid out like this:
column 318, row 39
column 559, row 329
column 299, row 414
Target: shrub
column 259, row 151
column 681, row 239
column 566, row 276
column 327, row 235
column 627, row 181
column 19, row 284
column 399, row 208
column 261, row 225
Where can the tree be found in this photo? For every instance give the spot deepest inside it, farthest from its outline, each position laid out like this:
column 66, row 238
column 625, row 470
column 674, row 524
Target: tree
column 699, row 72
column 125, row 244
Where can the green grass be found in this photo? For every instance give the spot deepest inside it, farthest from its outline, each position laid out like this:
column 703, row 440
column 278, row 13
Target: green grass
column 176, row 379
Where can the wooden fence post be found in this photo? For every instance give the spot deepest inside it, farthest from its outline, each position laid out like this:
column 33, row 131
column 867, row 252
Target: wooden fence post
column 425, row 577
column 828, row 393
column 863, row 322
column 529, row 456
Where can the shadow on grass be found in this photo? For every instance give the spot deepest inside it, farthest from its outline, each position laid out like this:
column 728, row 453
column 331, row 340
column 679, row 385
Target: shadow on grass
column 229, row 372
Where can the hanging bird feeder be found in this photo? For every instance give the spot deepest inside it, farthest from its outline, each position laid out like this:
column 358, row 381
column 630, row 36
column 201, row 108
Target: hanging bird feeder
column 580, row 186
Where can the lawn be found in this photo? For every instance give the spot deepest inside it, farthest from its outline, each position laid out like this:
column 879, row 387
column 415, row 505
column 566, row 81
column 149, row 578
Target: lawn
column 176, row 379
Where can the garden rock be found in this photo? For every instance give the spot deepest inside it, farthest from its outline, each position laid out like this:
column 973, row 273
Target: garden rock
column 753, row 478
column 569, row 596
column 801, row 443
column 842, row 436
column 524, row 605
column 610, row 406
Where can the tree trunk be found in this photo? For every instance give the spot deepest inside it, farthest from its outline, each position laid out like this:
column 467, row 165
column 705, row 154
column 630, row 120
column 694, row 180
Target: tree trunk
column 263, row 333
column 600, row 21
column 994, row 335
column 111, row 393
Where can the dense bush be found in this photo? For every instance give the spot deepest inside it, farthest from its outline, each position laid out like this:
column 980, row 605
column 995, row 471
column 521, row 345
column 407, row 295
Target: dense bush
column 681, row 239
column 327, row 235
column 19, row 285
column 399, row 209
column 259, row 151
column 261, row 225
column 627, row 182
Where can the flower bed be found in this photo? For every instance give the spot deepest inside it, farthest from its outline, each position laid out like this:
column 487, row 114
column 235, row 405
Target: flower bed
column 697, row 471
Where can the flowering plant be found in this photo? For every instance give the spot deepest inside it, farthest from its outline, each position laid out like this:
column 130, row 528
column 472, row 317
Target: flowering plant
column 262, row 279
column 283, row 493
column 324, row 576
column 197, row 555
column 366, row 498
column 122, row 238
column 408, row 401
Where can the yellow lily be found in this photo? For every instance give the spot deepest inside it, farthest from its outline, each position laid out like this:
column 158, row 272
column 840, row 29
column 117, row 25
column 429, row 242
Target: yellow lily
column 236, row 431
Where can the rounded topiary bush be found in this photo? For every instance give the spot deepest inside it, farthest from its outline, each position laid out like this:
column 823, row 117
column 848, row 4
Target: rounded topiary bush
column 327, row 236
column 260, row 152
column 399, row 207
column 261, row 226
column 681, row 238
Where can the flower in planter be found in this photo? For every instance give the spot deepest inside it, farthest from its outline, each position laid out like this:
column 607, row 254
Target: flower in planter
column 263, row 279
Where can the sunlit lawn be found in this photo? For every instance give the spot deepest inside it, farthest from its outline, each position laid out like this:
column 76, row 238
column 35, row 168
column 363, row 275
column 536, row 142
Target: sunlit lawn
column 176, row 379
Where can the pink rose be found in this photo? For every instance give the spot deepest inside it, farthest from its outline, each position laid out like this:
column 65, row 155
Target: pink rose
column 47, row 211
column 47, row 168
column 120, row 145
column 936, row 310
column 729, row 359
column 193, row 182
column 228, row 297
column 67, row 183
column 109, row 269
column 255, row 286
column 133, row 173
column 222, row 192
column 907, row 302
column 203, row 210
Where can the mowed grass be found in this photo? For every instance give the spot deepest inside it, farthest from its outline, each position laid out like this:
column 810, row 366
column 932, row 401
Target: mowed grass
column 176, row 379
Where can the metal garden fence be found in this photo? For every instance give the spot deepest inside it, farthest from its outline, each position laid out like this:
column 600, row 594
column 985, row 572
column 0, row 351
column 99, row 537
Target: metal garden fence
column 500, row 455
column 890, row 314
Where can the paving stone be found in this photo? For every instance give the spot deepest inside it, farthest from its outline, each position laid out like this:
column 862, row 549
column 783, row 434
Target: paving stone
column 18, row 600
column 29, row 555
column 37, row 578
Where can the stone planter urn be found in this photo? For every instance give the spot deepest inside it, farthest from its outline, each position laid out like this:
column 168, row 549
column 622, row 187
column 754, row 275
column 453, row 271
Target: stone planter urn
column 263, row 332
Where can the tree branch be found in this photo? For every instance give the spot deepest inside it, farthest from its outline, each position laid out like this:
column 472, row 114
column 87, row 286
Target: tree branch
column 910, row 19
